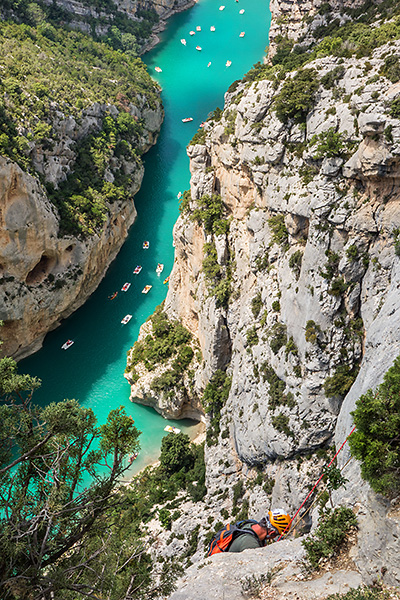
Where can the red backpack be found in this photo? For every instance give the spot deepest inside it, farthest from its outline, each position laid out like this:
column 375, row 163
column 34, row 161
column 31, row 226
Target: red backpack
column 225, row 536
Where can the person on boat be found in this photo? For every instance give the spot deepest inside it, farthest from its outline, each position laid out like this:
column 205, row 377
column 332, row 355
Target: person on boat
column 262, row 533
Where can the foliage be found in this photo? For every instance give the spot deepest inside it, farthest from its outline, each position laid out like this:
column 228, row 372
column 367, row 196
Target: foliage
column 375, row 442
column 214, row 397
column 330, row 144
column 331, row 78
column 168, row 338
column 49, row 513
column 218, row 279
column 198, row 138
column 210, row 214
column 363, row 593
column 176, row 453
column 325, row 542
column 281, row 423
column 252, row 337
column 280, row 234
column 312, row 331
column 341, row 381
column 295, row 261
column 296, row 96
column 256, row 305
column 277, row 337
column 395, row 108
column 391, row 68
column 276, row 391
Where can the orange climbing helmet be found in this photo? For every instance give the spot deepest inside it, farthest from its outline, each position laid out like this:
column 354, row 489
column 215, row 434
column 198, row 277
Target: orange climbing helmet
column 279, row 520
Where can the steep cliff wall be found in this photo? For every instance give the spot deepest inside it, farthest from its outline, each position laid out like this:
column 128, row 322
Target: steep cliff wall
column 45, row 276
column 297, row 298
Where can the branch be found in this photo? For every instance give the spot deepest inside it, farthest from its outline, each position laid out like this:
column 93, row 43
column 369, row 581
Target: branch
column 27, row 454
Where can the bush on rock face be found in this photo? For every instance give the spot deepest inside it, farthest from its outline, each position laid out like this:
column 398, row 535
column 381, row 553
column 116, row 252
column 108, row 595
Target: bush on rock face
column 296, row 97
column 176, row 453
column 376, row 440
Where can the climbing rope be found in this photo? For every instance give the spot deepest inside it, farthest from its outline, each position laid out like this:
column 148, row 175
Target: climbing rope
column 313, row 488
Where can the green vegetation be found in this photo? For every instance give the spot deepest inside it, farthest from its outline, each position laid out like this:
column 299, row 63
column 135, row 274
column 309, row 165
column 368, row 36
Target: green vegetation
column 312, row 331
column 210, row 214
column 167, row 339
column 276, row 391
column 51, row 519
column 281, row 423
column 295, row 263
column 364, row 593
column 252, row 337
column 48, row 69
column 280, row 234
column 341, row 381
column 215, row 395
column 277, row 337
column 256, row 305
column 375, row 442
column 218, row 279
column 330, row 535
column 330, row 144
column 296, row 96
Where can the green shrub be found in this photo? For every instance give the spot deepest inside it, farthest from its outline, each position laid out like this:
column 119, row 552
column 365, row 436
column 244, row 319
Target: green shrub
column 329, row 144
column 277, row 337
column 312, row 331
column 280, row 234
column 395, row 108
column 295, row 263
column 296, row 97
column 210, row 214
column 364, row 593
column 330, row 534
column 331, row 78
column 256, row 305
column 341, row 381
column 176, row 453
column 375, row 440
column 215, row 395
column 281, row 423
column 252, row 337
column 391, row 68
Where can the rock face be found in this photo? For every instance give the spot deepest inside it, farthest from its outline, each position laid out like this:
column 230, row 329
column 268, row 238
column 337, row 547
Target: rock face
column 45, row 277
column 311, row 263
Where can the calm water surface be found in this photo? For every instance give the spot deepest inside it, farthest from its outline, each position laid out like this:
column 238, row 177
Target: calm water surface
column 92, row 369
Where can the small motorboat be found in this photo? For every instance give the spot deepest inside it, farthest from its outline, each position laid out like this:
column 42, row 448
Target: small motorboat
column 171, row 429
column 183, row 41
column 126, row 319
column 241, row 11
column 198, row 28
column 125, row 287
column 146, row 289
column 198, row 48
column 192, row 33
column 241, row 34
column 179, row 195
column 158, row 69
column 160, row 268
column 202, row 124
column 137, row 270
column 221, row 7
column 212, row 28
column 133, row 457
column 187, row 119
column 114, row 295
column 146, row 245
column 67, row 345
column 228, row 63
column 166, row 279
column 209, row 64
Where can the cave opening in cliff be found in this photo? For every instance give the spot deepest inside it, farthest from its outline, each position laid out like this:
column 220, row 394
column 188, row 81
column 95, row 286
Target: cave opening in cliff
column 41, row 270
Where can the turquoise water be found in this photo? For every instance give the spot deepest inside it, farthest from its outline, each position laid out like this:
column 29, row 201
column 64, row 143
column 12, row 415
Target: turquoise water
column 92, row 369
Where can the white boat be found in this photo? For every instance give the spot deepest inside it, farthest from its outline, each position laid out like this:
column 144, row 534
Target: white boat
column 241, row 11
column 171, row 429
column 146, row 289
column 198, row 48
column 221, row 7
column 198, row 28
column 158, row 69
column 209, row 64
column 125, row 287
column 228, row 63
column 146, row 245
column 126, row 319
column 192, row 33
column 187, row 119
column 67, row 345
column 160, row 268
column 183, row 41
column 179, row 195
column 241, row 34
column 212, row 28
column 137, row 270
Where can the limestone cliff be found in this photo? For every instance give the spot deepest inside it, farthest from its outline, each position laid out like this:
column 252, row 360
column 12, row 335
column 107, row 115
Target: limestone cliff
column 46, row 276
column 297, row 299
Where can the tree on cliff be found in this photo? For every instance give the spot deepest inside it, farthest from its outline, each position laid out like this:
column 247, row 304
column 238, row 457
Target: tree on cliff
column 58, row 499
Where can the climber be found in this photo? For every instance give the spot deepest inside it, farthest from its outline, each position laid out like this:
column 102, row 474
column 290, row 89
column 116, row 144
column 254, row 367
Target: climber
column 265, row 531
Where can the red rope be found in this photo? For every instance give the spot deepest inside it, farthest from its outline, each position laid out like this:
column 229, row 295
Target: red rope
column 311, row 491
